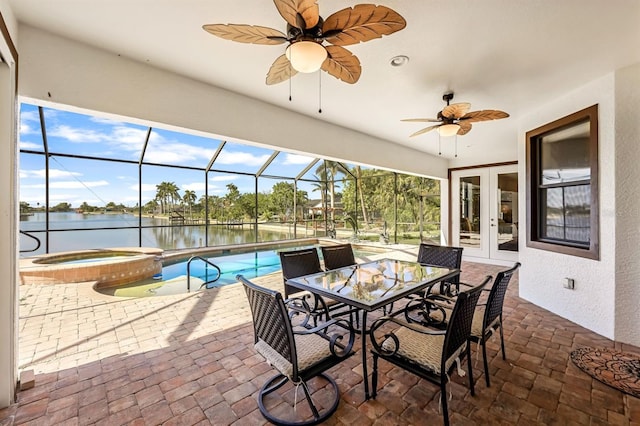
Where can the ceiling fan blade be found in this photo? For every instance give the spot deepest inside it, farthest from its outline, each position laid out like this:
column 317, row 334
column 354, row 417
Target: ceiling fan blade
column 484, row 115
column 465, row 127
column 425, row 130
column 246, row 33
column 342, row 64
column 361, row 23
column 456, row 110
column 421, row 120
column 281, row 70
column 301, row 14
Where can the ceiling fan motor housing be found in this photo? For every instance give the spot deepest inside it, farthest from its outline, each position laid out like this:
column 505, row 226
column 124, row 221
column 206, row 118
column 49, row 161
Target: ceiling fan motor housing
column 297, row 34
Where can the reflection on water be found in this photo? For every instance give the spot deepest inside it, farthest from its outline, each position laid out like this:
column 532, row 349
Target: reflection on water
column 82, row 236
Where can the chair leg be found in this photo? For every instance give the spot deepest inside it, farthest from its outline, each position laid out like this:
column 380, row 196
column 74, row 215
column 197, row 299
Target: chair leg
column 470, row 368
column 374, row 377
column 314, row 410
column 483, row 343
column 504, row 354
column 278, row 381
column 443, row 399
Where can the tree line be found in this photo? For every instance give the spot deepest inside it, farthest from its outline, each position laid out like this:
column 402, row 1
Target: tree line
column 368, row 198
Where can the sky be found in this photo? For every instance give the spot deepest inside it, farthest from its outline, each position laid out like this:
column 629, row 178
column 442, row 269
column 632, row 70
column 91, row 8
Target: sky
column 76, row 181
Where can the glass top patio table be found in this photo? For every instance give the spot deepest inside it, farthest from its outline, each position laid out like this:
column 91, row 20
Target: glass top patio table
column 372, row 285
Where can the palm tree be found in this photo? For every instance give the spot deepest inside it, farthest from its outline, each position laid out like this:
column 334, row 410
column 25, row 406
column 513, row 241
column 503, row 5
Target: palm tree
column 358, row 173
column 167, row 194
column 161, row 196
column 189, row 198
column 321, row 186
column 173, row 193
column 330, row 171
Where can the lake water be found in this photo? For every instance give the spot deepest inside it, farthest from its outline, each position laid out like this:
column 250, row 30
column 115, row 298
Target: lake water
column 87, row 232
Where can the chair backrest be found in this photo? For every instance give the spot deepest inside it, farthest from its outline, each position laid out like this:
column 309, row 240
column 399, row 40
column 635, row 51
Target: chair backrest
column 459, row 326
column 296, row 263
column 271, row 323
column 496, row 296
column 338, row 256
column 447, row 257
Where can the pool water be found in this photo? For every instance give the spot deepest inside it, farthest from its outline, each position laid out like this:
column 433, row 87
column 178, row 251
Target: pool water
column 174, row 276
column 250, row 265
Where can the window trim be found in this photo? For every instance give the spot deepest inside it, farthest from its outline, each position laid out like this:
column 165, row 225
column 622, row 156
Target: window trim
column 533, row 142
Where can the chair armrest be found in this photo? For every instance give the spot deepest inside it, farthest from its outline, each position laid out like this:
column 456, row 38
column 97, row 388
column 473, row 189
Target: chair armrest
column 377, row 342
column 300, row 306
column 323, row 326
column 335, row 340
column 415, row 327
column 298, row 303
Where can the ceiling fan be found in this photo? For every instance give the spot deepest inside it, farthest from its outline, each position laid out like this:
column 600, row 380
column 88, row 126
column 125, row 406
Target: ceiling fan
column 306, row 33
column 455, row 119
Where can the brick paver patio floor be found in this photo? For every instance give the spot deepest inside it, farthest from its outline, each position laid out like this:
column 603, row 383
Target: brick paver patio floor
column 189, row 359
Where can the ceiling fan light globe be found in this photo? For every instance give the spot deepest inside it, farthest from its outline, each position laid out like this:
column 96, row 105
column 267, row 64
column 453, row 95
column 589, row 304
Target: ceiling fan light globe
column 448, row 129
column 306, row 56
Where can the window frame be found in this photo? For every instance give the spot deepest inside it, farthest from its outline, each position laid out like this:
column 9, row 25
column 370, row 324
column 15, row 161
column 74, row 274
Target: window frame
column 534, row 186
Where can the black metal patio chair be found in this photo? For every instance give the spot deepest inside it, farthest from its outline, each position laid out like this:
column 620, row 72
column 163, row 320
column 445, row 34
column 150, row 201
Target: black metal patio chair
column 296, row 263
column 487, row 318
column 442, row 256
column 299, row 354
column 428, row 353
column 446, row 257
column 338, row 256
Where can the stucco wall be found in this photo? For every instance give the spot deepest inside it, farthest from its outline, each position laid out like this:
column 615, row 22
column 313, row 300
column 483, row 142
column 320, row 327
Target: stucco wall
column 592, row 303
column 8, row 220
column 67, row 72
column 627, row 175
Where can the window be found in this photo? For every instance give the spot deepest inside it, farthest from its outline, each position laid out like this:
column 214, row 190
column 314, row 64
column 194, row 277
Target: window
column 562, row 185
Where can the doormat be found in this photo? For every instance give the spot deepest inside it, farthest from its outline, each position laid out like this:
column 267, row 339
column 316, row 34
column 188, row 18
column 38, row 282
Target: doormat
column 620, row 370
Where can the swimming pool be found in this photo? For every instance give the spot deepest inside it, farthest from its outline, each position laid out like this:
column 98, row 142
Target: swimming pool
column 173, row 279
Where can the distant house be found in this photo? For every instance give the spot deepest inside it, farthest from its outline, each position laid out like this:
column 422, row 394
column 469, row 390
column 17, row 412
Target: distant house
column 316, row 208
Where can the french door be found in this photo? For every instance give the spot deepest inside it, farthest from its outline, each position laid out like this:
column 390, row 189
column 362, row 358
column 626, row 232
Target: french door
column 484, row 212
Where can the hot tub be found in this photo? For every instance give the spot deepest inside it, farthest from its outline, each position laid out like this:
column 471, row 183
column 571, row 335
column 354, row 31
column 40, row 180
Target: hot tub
column 108, row 267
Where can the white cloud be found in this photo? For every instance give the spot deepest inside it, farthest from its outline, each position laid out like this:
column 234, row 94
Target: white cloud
column 53, row 174
column 146, row 187
column 31, row 145
column 27, row 129
column 50, row 115
column 127, row 138
column 29, row 116
column 169, row 152
column 69, row 184
column 77, row 135
column 223, row 178
column 296, row 159
column 230, row 157
column 103, row 120
column 195, row 186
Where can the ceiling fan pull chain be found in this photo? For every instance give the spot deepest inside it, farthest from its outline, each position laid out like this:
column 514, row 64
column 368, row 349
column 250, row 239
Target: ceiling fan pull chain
column 289, row 81
column 456, row 136
column 439, row 144
column 319, row 92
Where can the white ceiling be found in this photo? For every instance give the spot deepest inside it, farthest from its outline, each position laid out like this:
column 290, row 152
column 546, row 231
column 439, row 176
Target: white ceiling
column 512, row 55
